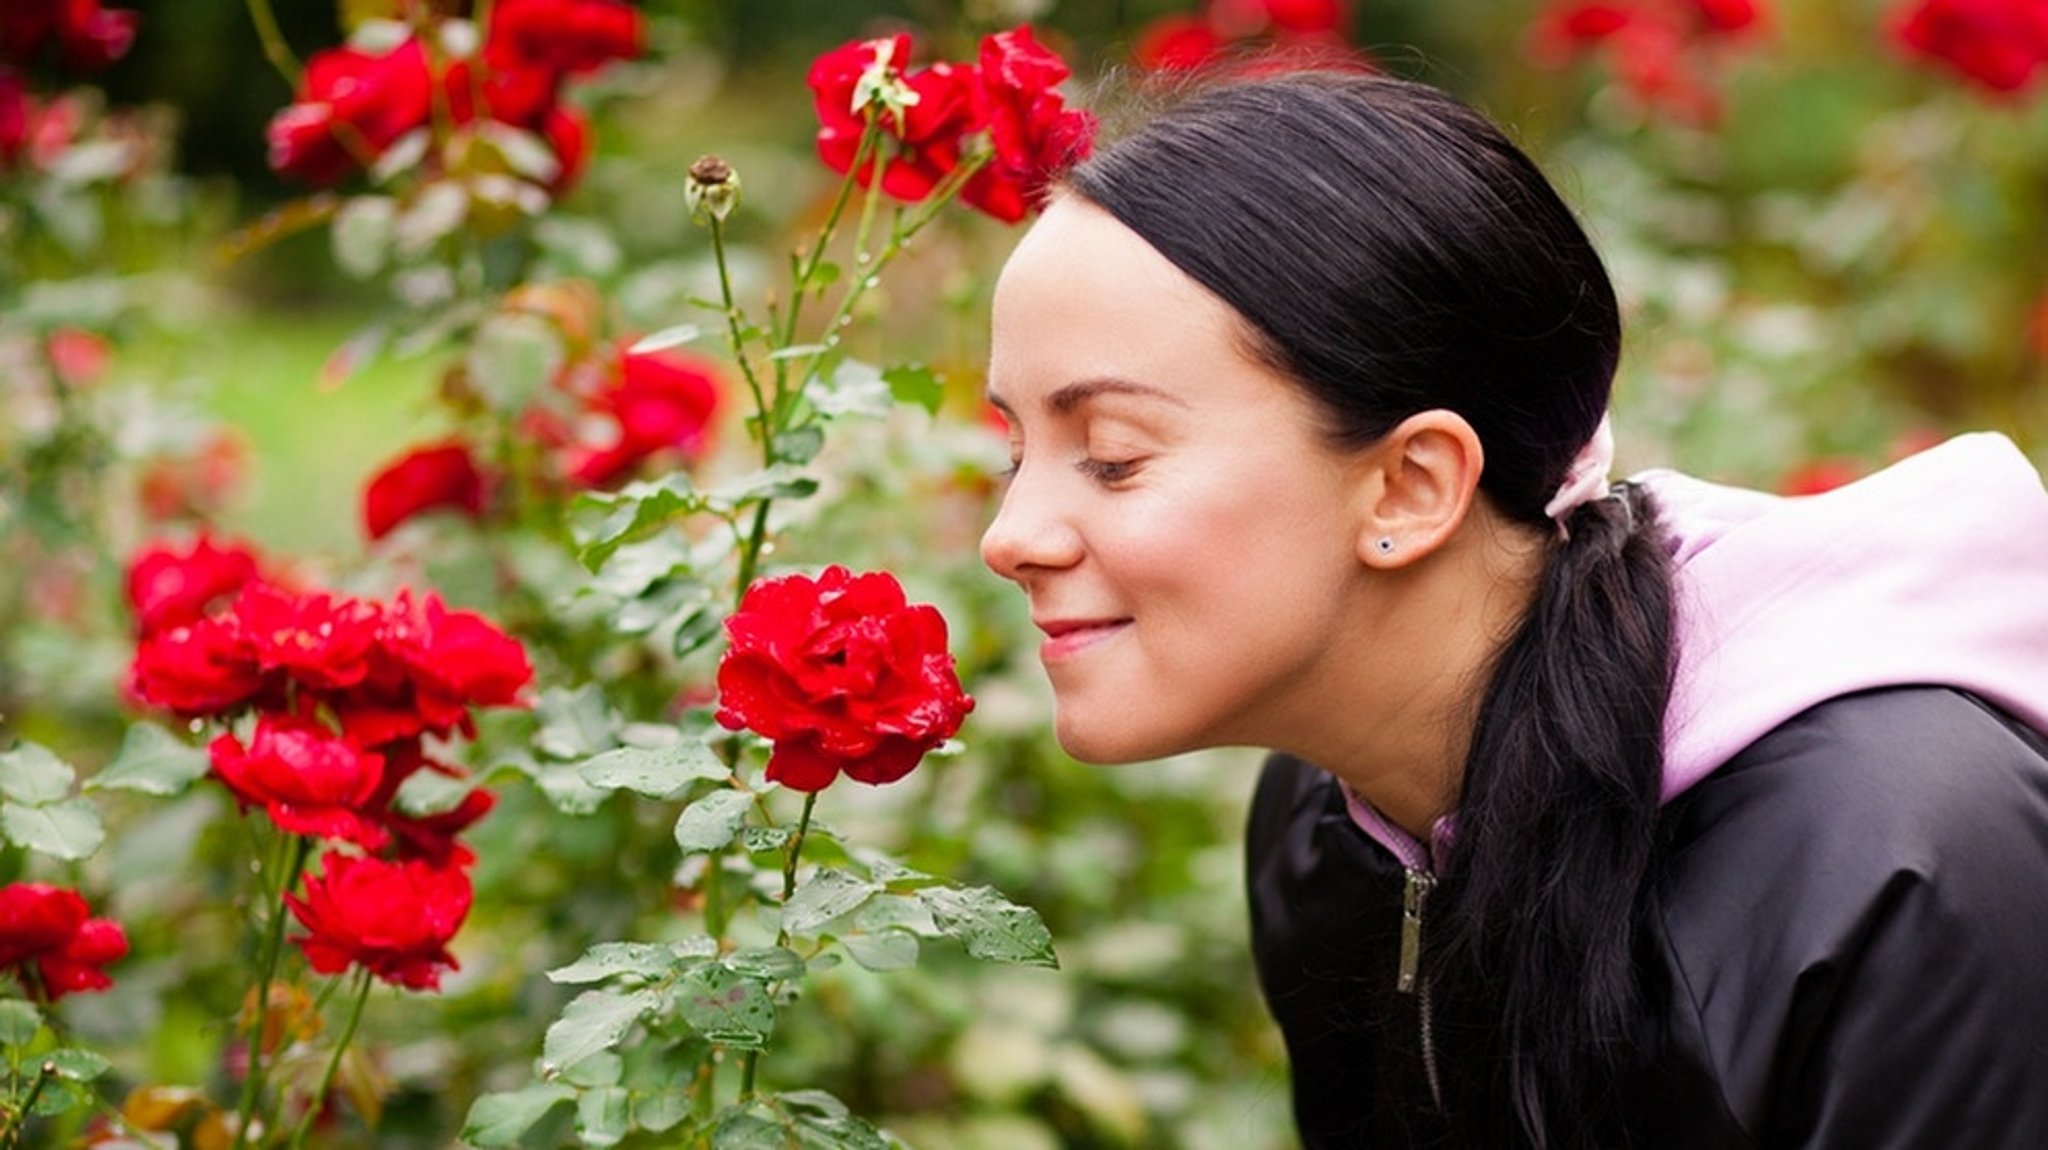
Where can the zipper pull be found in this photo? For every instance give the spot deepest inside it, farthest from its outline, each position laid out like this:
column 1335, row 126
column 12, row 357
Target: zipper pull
column 1413, row 895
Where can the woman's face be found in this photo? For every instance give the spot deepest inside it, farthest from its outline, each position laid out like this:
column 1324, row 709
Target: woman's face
column 1188, row 539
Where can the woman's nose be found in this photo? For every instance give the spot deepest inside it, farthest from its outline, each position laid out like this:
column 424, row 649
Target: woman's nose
column 1030, row 533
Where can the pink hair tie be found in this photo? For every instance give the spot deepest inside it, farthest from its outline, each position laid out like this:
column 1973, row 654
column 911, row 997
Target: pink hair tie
column 1587, row 478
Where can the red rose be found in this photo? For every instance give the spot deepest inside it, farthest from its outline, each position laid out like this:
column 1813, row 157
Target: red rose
column 431, row 838
column 1239, row 19
column 661, row 401
column 14, row 116
column 2001, row 44
column 305, row 778
column 1034, row 134
column 425, row 478
column 568, row 135
column 202, row 668
column 88, row 36
column 1820, row 475
column 842, row 675
column 46, row 928
column 923, row 139
column 168, row 587
column 566, row 35
column 321, row 641
column 1728, row 15
column 351, row 105
column 392, row 918
column 1177, row 43
column 458, row 655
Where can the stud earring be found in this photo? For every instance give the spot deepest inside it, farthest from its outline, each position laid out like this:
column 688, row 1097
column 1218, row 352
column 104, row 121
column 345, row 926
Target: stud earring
column 1384, row 545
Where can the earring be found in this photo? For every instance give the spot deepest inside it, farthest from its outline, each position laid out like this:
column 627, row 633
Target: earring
column 1384, row 545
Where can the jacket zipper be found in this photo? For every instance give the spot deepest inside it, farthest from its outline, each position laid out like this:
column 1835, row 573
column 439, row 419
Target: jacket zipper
column 1407, row 980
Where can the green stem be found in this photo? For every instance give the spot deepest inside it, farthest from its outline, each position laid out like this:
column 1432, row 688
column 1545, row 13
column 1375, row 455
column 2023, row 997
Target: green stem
column 807, row 267
column 736, row 337
column 348, row 1033
column 273, row 949
column 47, row 1071
column 274, row 47
column 789, row 865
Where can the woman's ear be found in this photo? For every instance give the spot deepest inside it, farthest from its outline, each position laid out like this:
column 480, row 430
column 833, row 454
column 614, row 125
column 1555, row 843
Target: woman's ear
column 1416, row 487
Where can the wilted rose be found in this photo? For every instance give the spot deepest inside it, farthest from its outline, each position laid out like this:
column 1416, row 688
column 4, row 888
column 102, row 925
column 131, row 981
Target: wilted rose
column 842, row 674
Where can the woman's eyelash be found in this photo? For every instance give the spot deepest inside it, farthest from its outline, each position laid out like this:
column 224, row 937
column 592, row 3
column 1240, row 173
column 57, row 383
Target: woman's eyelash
column 1108, row 470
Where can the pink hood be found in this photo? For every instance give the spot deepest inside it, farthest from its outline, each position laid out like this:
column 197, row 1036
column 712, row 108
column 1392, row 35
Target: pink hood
column 1934, row 570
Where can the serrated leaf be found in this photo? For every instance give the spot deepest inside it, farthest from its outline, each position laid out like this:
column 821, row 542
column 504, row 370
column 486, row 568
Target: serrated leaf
column 61, row 1096
column 19, row 1022
column 990, row 926
column 565, row 789
column 601, row 524
column 604, row 1115
column 764, row 838
column 499, row 1119
column 727, row 1007
column 711, row 822
column 697, row 626
column 914, row 383
column 154, row 761
column 31, row 773
column 69, row 829
column 77, row 1065
column 826, row 895
column 822, row 1122
column 658, row 773
column 800, row 444
column 648, row 960
column 594, row 1020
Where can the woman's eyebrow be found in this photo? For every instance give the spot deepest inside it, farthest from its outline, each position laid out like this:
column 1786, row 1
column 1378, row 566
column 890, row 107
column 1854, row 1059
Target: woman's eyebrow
column 1073, row 395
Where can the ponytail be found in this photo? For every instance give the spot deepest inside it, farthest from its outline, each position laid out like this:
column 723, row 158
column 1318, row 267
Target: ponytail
column 1546, row 886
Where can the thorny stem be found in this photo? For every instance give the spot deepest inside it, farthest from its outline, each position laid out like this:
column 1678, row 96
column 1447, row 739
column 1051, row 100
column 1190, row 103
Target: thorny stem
column 44, row 1073
column 274, row 46
column 789, row 863
column 348, row 1033
column 807, row 267
column 736, row 336
column 273, row 948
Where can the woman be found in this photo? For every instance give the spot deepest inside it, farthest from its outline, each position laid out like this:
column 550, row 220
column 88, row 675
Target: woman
column 1660, row 814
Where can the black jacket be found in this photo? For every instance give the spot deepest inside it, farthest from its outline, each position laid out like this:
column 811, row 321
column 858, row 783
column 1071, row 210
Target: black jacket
column 1852, row 950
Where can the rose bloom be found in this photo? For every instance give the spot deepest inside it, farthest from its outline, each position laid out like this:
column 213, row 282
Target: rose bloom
column 443, row 475
column 662, row 401
column 46, row 930
column 842, row 674
column 308, row 780
column 924, row 140
column 392, row 918
column 88, row 36
column 351, row 105
column 202, row 668
column 170, row 587
column 566, row 35
column 1034, row 134
column 321, row 641
column 2000, row 44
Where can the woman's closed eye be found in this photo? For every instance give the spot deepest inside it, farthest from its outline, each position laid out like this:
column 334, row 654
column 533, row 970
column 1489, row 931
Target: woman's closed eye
column 1109, row 470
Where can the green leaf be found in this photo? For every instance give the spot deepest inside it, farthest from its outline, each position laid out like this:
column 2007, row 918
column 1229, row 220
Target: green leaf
column 575, row 724
column 990, row 926
column 709, row 823
column 917, row 384
column 727, row 1007
column 61, row 1096
column 882, row 951
column 822, row 1122
column 499, row 1119
column 661, row 1110
column 77, row 1065
column 644, row 960
column 19, row 1022
column 154, row 761
column 781, row 481
column 67, row 830
column 800, row 444
column 766, row 963
column 594, row 1020
column 31, row 774
column 851, row 388
column 764, row 838
column 565, row 789
column 800, row 351
column 826, row 895
column 604, row 1115
column 658, row 772
column 362, row 232
column 697, row 626
column 601, row 524
column 666, row 338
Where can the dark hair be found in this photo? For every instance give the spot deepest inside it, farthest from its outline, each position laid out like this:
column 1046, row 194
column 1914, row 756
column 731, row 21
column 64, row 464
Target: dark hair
column 1393, row 252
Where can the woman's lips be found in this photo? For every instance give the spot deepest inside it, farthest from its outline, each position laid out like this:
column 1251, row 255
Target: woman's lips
column 1065, row 638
